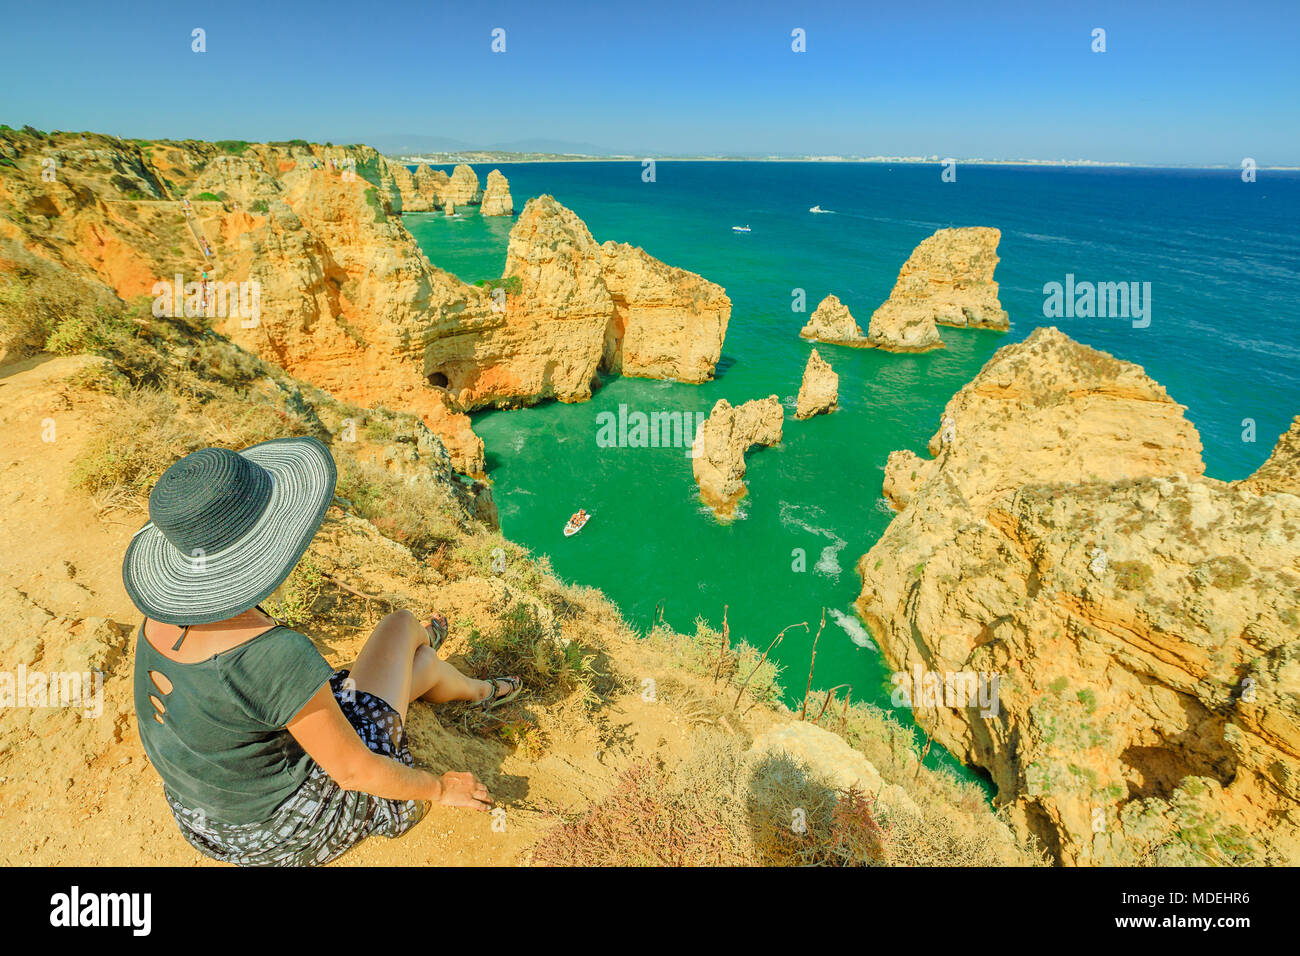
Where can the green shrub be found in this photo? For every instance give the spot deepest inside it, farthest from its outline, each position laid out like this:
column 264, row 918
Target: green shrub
column 59, row 315
column 372, row 200
column 1132, row 575
column 522, row 643
column 512, row 285
column 293, row 600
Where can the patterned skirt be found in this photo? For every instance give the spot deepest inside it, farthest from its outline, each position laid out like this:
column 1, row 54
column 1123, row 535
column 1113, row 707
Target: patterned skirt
column 319, row 821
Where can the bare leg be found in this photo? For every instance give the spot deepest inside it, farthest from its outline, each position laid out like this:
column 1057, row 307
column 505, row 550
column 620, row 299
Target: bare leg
column 438, row 681
column 397, row 665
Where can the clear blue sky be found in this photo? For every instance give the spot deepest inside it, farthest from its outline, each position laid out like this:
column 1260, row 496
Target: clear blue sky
column 1186, row 82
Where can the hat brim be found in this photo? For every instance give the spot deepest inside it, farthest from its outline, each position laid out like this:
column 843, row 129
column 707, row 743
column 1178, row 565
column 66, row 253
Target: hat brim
column 176, row 588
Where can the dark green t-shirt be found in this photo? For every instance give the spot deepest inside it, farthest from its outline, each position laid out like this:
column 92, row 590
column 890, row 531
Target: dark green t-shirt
column 222, row 746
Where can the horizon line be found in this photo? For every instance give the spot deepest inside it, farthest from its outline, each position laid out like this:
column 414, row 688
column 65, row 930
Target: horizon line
column 543, row 156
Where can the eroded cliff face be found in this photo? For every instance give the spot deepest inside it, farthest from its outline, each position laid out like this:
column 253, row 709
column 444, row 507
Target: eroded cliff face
column 569, row 308
column 1143, row 621
column 947, row 280
column 832, row 322
column 496, row 197
column 420, row 190
column 542, row 335
column 1282, row 470
column 346, row 299
column 819, row 390
column 667, row 322
column 718, row 454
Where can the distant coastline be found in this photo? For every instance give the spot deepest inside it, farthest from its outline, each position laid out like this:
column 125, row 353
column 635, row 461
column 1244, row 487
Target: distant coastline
column 503, row 157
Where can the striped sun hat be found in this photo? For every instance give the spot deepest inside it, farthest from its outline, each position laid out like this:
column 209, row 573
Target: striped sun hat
column 226, row 528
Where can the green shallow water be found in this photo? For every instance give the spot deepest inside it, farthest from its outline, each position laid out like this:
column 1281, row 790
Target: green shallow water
column 655, row 549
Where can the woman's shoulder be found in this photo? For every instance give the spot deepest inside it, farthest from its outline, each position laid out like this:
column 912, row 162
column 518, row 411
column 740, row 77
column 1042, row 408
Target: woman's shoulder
column 275, row 674
column 280, row 642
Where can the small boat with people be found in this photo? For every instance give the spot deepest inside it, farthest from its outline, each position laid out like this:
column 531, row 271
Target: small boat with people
column 740, row 229
column 576, row 522
column 818, row 208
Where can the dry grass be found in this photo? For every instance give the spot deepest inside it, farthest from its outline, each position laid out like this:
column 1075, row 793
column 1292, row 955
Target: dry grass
column 147, row 430
column 57, row 313
column 417, row 515
column 719, row 807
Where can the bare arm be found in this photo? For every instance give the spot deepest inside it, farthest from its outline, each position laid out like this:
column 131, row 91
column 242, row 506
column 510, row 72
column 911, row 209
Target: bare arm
column 322, row 730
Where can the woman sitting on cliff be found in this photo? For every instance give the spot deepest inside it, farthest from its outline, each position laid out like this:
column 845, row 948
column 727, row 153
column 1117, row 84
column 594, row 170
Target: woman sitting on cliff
column 267, row 755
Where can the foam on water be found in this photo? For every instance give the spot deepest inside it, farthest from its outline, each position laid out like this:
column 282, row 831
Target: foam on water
column 854, row 628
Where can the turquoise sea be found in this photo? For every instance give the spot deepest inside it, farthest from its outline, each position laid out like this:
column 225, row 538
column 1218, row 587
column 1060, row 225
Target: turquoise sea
column 1222, row 257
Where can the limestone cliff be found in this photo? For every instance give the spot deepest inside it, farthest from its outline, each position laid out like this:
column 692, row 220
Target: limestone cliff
column 1282, row 470
column 832, row 322
column 345, row 298
column 819, row 390
column 903, row 330
column 496, row 197
column 718, row 455
column 568, row 308
column 1143, row 621
column 667, row 322
column 947, row 280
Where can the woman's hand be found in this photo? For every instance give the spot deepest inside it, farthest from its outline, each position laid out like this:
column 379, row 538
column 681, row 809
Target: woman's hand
column 461, row 789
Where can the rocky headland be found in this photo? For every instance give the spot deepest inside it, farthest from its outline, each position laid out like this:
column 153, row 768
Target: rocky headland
column 1143, row 620
column 346, row 299
column 570, row 308
column 819, row 390
column 718, row 455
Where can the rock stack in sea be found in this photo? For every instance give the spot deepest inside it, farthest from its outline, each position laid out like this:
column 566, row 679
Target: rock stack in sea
column 1142, row 621
column 819, row 390
column 496, row 197
column 718, row 455
column 947, row 280
column 418, row 191
column 832, row 322
column 462, row 188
